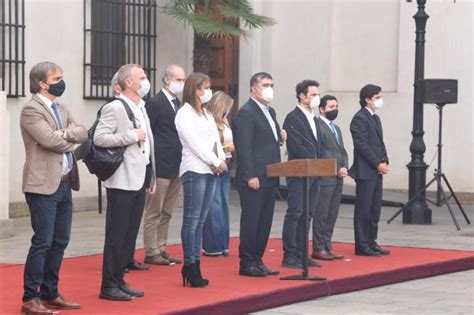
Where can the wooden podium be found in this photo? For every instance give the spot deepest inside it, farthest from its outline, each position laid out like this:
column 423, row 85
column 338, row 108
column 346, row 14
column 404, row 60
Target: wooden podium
column 306, row 169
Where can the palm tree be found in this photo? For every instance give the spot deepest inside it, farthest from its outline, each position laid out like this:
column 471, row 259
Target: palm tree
column 214, row 18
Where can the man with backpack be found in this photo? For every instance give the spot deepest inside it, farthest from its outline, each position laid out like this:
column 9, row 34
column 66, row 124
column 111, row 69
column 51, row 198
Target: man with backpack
column 126, row 188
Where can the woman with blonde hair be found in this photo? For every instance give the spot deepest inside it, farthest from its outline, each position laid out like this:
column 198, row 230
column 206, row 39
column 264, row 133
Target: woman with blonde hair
column 216, row 228
column 202, row 160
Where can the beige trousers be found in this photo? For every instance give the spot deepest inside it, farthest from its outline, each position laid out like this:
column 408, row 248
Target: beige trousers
column 159, row 208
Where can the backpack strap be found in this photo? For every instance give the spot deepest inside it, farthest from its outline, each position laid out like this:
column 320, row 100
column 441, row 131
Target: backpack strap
column 130, row 115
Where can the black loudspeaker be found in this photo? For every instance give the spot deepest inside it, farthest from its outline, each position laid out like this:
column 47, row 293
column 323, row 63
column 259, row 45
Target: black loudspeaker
column 438, row 91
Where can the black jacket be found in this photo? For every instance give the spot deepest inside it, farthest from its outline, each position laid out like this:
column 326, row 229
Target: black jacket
column 255, row 144
column 167, row 144
column 301, row 143
column 369, row 148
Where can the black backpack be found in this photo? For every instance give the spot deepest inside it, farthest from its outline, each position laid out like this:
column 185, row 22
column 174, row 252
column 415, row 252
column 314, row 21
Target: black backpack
column 102, row 162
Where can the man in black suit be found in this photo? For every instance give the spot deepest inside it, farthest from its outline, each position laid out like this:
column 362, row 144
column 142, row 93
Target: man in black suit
column 303, row 143
column 370, row 164
column 159, row 208
column 327, row 207
column 257, row 139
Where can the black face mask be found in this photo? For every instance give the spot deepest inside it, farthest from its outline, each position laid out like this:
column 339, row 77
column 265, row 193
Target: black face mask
column 57, row 89
column 331, row 115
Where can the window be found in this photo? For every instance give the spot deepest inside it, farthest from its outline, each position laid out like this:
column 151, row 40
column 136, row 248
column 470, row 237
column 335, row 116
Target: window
column 12, row 47
column 117, row 32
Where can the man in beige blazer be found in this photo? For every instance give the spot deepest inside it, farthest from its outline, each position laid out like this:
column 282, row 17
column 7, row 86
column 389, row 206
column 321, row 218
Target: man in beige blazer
column 126, row 187
column 50, row 172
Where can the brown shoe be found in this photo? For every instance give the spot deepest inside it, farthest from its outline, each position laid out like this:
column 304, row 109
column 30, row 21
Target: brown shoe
column 322, row 255
column 335, row 255
column 165, row 255
column 158, row 260
column 60, row 303
column 34, row 307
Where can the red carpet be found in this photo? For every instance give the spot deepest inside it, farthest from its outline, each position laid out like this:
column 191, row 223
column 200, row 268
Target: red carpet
column 229, row 293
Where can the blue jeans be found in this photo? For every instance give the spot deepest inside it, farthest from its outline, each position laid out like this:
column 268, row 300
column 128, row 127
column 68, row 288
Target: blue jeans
column 51, row 218
column 198, row 190
column 293, row 224
column 215, row 235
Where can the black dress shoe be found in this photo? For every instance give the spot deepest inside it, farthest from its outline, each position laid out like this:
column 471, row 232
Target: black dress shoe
column 252, row 271
column 126, row 289
column 291, row 262
column 135, row 265
column 367, row 252
column 267, row 271
column 114, row 294
column 313, row 263
column 380, row 250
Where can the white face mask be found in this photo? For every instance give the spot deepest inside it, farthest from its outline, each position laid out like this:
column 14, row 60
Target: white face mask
column 206, row 97
column 315, row 102
column 267, row 94
column 176, row 87
column 144, row 88
column 378, row 103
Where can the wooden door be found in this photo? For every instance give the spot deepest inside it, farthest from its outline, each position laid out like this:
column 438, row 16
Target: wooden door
column 224, row 66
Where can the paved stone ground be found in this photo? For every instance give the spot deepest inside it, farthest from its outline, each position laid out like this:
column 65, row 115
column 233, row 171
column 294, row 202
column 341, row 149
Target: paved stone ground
column 446, row 294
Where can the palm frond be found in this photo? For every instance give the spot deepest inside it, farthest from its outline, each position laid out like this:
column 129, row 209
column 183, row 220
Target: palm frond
column 201, row 16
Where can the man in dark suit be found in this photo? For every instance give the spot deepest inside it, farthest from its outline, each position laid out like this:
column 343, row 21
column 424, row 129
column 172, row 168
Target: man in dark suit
column 257, row 138
column 159, row 208
column 50, row 134
column 327, row 207
column 303, row 143
column 370, row 164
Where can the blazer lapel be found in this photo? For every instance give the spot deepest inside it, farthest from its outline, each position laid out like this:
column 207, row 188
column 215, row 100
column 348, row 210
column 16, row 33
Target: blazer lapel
column 339, row 134
column 372, row 120
column 303, row 120
column 52, row 119
column 264, row 118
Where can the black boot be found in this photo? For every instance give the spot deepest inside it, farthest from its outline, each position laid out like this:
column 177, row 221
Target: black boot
column 198, row 264
column 191, row 277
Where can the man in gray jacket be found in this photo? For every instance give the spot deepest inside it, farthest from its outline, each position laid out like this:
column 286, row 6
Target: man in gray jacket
column 127, row 186
column 327, row 207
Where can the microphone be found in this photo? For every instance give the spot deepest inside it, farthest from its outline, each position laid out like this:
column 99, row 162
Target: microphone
column 306, row 139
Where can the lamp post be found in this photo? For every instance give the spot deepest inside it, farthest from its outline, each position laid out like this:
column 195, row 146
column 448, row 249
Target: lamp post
column 418, row 212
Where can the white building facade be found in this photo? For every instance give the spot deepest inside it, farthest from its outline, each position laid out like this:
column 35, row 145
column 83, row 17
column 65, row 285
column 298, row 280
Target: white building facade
column 343, row 44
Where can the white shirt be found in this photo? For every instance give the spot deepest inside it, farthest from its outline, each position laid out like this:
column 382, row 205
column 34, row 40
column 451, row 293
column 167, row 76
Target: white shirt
column 49, row 104
column 228, row 138
column 141, row 122
column 169, row 97
column 266, row 111
column 310, row 117
column 199, row 136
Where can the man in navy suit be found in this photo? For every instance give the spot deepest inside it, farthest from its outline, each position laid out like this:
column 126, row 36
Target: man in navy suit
column 370, row 164
column 303, row 143
column 159, row 208
column 257, row 139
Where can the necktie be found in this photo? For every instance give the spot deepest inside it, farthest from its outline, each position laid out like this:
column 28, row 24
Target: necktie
column 60, row 124
column 333, row 129
column 176, row 104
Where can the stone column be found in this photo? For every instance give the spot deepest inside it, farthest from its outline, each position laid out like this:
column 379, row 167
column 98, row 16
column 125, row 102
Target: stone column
column 6, row 226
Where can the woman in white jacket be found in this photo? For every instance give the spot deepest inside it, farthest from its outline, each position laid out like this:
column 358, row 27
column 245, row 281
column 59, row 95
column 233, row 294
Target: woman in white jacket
column 202, row 160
